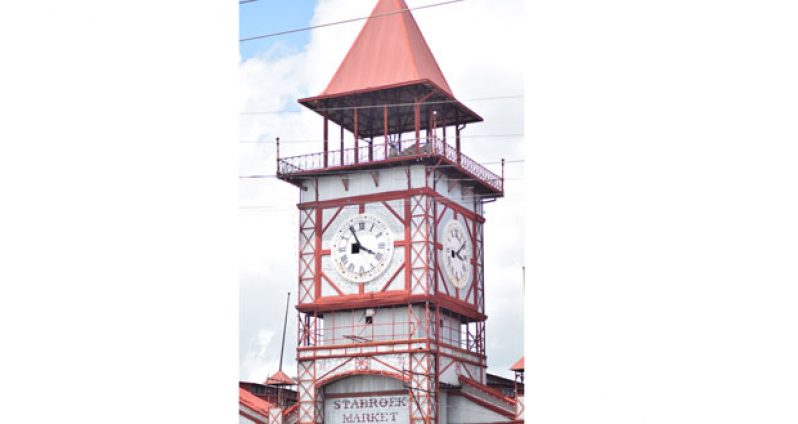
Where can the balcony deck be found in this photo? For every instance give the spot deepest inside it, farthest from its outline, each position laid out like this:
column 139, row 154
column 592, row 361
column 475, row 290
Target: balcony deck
column 431, row 150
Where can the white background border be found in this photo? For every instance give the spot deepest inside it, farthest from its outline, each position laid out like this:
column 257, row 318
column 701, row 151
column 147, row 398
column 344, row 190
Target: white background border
column 661, row 267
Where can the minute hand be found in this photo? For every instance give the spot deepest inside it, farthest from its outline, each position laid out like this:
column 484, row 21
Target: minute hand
column 352, row 229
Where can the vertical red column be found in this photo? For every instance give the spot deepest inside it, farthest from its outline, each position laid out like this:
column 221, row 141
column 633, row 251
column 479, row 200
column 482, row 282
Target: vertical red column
column 417, row 125
column 457, row 142
column 342, row 146
column 357, row 153
column 385, row 130
column 371, row 149
column 326, row 140
column 443, row 130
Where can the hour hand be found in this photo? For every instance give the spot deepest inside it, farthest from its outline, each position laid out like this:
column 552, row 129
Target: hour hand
column 458, row 251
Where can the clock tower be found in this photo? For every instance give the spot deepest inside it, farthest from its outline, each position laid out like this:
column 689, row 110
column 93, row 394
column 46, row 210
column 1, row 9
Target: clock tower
column 391, row 316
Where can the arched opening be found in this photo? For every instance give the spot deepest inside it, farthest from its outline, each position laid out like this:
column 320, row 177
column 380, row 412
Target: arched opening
column 363, row 397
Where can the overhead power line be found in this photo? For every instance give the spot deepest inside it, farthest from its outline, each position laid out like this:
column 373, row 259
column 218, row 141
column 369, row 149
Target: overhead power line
column 274, row 34
column 478, row 99
column 246, row 1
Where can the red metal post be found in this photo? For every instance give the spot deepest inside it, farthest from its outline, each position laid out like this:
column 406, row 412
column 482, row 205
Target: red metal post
column 428, row 126
column 385, row 129
column 326, row 139
column 354, row 130
column 502, row 174
column 457, row 135
column 417, row 124
column 457, row 142
column 443, row 128
column 371, row 149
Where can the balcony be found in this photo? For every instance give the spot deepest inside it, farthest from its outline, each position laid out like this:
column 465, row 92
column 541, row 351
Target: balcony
column 430, row 150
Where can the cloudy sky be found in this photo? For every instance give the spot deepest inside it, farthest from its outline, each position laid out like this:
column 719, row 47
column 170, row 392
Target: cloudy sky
column 475, row 44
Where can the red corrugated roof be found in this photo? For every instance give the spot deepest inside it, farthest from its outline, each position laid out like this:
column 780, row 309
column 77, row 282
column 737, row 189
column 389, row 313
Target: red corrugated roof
column 389, row 51
column 280, row 378
column 253, row 402
column 518, row 366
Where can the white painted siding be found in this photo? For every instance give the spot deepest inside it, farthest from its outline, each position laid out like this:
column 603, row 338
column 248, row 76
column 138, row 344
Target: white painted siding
column 443, row 415
column 462, row 411
column 362, row 183
column 243, row 419
column 456, row 194
column 390, row 323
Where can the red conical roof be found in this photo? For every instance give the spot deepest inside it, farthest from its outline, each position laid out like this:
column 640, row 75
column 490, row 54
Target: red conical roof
column 280, row 378
column 389, row 64
column 389, row 51
column 518, row 366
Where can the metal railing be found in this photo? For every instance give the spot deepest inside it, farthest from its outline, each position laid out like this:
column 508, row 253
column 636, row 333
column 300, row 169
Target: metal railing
column 428, row 148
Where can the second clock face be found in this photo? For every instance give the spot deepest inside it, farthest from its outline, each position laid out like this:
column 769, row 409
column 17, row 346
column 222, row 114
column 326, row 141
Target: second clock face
column 457, row 254
column 362, row 248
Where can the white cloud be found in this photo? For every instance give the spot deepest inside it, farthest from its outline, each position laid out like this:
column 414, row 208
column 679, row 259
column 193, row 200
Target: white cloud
column 477, row 46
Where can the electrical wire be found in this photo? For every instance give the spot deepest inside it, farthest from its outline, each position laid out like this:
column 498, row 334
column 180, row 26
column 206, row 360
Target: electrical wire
column 290, row 31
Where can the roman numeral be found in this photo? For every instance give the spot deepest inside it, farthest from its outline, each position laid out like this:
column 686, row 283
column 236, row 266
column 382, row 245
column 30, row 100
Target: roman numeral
column 361, row 226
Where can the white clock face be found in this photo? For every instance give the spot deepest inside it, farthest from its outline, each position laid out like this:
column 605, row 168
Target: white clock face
column 457, row 254
column 362, row 248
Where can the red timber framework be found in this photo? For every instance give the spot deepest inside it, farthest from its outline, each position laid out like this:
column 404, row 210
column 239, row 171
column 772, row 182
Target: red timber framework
column 439, row 336
column 410, row 323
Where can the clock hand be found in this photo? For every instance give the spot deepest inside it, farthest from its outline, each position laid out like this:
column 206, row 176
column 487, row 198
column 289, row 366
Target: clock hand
column 458, row 251
column 352, row 229
column 367, row 249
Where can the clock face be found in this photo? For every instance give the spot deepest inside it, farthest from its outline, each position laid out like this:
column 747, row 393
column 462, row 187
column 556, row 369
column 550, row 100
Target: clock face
column 362, row 248
column 457, row 254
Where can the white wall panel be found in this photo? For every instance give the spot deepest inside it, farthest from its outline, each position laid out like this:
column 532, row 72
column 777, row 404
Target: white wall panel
column 462, row 411
column 362, row 183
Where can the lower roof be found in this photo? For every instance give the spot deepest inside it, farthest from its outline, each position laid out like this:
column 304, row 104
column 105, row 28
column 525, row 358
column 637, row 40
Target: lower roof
column 400, row 101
